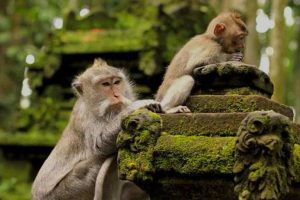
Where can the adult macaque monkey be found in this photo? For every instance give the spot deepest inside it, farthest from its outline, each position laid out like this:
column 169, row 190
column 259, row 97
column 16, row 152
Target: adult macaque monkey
column 104, row 96
column 224, row 40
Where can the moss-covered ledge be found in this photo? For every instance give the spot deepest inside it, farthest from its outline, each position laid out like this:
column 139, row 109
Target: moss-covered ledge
column 200, row 155
column 209, row 124
column 263, row 150
column 202, row 124
column 194, row 155
column 100, row 40
column 235, row 103
column 226, row 75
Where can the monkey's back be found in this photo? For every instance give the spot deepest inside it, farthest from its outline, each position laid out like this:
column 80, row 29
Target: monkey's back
column 178, row 65
column 69, row 151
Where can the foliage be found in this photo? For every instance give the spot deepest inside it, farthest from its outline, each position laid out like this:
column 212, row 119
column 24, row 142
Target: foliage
column 19, row 41
column 11, row 189
column 159, row 30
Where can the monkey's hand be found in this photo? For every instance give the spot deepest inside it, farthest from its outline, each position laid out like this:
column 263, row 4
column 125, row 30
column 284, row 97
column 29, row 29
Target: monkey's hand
column 179, row 109
column 150, row 104
column 155, row 107
column 237, row 56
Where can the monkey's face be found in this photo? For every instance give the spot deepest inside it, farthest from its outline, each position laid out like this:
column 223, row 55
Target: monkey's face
column 104, row 90
column 231, row 32
column 237, row 42
column 111, row 90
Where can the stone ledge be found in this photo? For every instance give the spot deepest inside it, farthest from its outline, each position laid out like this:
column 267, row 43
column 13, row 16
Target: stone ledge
column 235, row 103
column 171, row 164
column 209, row 124
column 75, row 42
column 194, row 156
column 232, row 75
column 202, row 124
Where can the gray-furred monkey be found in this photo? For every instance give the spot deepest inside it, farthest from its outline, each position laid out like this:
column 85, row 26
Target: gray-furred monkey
column 224, row 40
column 70, row 171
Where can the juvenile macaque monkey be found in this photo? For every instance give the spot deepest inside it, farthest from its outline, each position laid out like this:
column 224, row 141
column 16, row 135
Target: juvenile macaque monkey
column 224, row 40
column 70, row 171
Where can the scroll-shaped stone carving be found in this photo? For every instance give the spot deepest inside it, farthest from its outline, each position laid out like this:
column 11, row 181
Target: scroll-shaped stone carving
column 264, row 150
column 140, row 131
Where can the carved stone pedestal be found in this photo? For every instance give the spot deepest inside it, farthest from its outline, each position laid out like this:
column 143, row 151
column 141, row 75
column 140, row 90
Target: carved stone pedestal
column 236, row 143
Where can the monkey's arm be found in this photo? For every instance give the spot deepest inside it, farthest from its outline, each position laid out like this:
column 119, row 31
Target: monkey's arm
column 203, row 56
column 181, row 87
column 106, row 141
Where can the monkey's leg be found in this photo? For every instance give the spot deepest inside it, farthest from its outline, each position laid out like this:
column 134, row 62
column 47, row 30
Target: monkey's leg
column 109, row 187
column 79, row 184
column 177, row 94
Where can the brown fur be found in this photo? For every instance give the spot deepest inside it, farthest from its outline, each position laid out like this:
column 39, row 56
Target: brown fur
column 71, row 169
column 204, row 49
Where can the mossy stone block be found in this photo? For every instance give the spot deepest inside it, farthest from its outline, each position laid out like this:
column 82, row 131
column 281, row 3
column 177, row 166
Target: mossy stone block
column 235, row 103
column 97, row 41
column 194, row 155
column 202, row 124
column 232, row 75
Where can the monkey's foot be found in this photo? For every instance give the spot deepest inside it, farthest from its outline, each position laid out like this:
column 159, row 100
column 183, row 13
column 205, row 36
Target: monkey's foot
column 179, row 109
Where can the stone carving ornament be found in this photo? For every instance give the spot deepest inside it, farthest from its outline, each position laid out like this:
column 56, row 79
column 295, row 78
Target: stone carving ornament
column 264, row 149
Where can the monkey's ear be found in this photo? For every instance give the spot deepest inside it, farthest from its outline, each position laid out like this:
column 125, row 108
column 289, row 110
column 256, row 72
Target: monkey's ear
column 219, row 28
column 99, row 61
column 77, row 86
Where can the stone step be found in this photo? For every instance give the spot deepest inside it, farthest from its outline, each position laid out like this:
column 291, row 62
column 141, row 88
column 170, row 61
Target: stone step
column 235, row 103
column 203, row 166
column 231, row 75
column 198, row 155
column 202, row 124
column 208, row 124
column 195, row 154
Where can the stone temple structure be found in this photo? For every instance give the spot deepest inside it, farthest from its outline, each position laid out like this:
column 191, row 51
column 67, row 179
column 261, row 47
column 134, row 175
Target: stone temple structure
column 236, row 144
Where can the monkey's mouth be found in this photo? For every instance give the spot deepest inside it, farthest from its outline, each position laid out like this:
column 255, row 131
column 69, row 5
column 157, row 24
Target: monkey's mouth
column 115, row 107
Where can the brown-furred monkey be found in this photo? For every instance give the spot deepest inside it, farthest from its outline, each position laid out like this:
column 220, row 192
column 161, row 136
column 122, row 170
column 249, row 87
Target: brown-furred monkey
column 104, row 97
column 224, row 40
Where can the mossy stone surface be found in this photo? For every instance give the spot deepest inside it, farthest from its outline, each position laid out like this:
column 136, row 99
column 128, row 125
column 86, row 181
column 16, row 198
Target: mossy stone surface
column 140, row 131
column 99, row 41
column 235, row 103
column 202, row 124
column 229, row 91
column 194, row 155
column 232, row 75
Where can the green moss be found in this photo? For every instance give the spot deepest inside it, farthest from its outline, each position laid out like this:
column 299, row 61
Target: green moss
column 202, row 124
column 229, row 75
column 235, row 103
column 135, row 167
column 195, row 155
column 99, row 41
column 29, row 139
column 296, row 159
column 140, row 131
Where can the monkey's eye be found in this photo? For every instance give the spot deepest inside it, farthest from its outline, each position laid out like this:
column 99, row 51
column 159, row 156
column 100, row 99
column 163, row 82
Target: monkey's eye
column 117, row 82
column 105, row 84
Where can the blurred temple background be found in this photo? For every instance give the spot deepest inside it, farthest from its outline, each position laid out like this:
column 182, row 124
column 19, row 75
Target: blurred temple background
column 44, row 44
